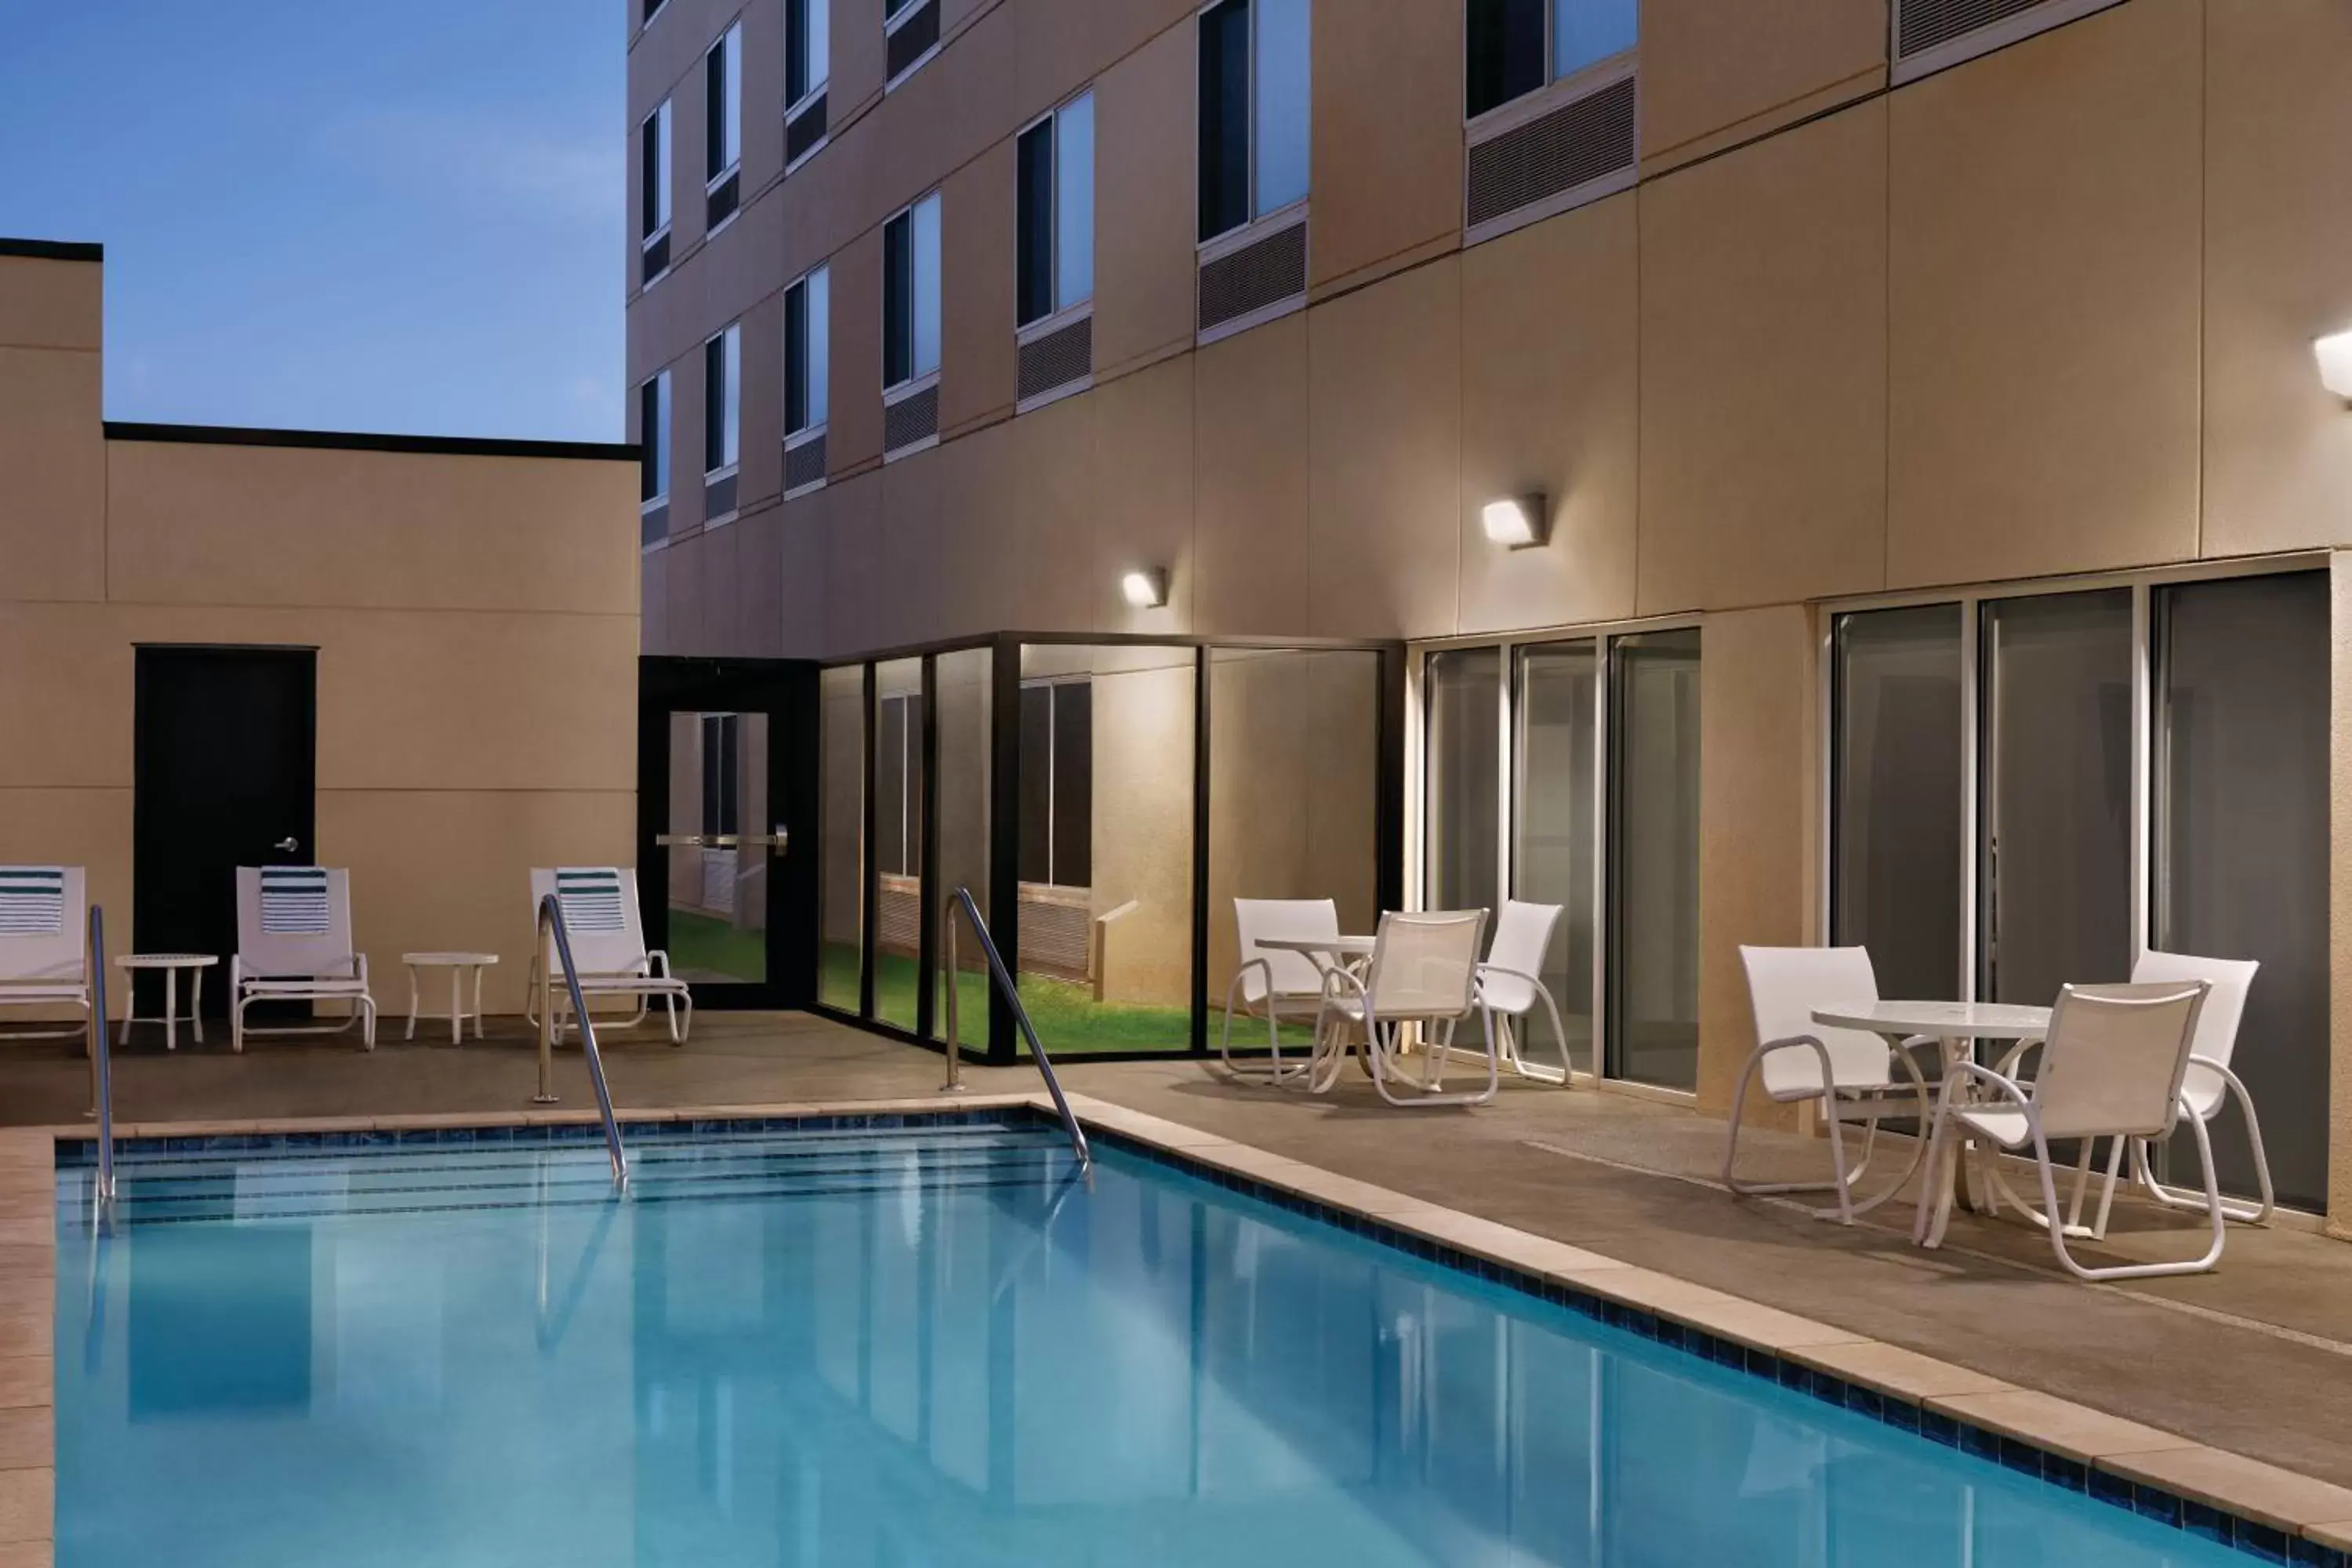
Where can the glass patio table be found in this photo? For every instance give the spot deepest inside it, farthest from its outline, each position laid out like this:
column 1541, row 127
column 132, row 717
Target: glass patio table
column 1956, row 1027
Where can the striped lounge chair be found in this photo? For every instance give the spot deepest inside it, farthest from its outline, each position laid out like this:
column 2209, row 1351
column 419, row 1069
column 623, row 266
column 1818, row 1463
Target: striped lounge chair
column 608, row 944
column 294, row 944
column 45, row 943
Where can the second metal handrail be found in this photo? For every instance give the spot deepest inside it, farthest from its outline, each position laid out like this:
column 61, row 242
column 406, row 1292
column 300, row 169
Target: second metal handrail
column 1028, row 1030
column 551, row 920
column 101, row 1063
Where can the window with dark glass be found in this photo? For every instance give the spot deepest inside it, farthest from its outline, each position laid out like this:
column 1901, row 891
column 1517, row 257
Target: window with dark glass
column 910, row 293
column 652, row 438
column 721, row 774
column 1058, row 778
column 1511, row 47
column 653, row 191
column 1254, row 77
column 807, row 308
column 722, row 72
column 807, row 44
column 722, row 400
column 1054, row 217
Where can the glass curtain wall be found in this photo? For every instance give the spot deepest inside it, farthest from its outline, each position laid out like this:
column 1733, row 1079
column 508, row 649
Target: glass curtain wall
column 960, row 687
column 2055, row 860
column 1896, row 778
column 1107, row 821
column 2241, row 786
column 841, row 854
column 1556, row 837
column 1294, row 780
column 898, row 839
column 1654, row 849
column 1461, row 796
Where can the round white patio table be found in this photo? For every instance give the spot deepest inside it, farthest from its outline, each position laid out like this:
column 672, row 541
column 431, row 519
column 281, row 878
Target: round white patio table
column 457, row 963
column 1956, row 1027
column 171, row 963
column 1326, row 953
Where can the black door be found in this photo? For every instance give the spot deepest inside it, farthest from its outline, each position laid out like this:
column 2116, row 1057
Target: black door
column 225, row 770
column 726, row 767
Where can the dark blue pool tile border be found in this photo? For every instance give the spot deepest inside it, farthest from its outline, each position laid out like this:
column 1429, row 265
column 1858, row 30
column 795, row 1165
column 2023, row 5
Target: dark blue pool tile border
column 2262, row 1543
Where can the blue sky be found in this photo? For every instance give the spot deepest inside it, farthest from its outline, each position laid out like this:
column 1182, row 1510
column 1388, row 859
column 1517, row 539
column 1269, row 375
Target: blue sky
column 346, row 214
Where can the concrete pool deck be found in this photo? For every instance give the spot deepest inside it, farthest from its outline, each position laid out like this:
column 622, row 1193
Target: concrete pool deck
column 2235, row 1387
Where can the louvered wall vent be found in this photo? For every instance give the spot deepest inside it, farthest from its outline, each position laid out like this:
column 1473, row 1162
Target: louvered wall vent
column 806, row 129
column 1257, row 277
column 1056, row 360
column 1932, row 33
column 1582, row 149
column 805, row 464
column 914, row 418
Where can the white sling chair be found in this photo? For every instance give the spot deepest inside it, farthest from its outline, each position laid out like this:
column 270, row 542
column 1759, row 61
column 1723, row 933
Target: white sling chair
column 2209, row 1084
column 1425, row 971
column 1275, row 983
column 1798, row 1059
column 2112, row 1068
column 1509, row 988
column 45, row 943
column 294, row 944
column 608, row 944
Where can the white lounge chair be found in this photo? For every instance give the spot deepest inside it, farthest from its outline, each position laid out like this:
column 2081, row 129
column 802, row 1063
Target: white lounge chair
column 1796, row 1059
column 294, row 944
column 1423, row 971
column 45, row 943
column 608, row 944
column 1275, row 983
column 1509, row 986
column 2112, row 1068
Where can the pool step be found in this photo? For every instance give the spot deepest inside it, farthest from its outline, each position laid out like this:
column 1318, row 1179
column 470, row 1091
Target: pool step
column 280, row 1184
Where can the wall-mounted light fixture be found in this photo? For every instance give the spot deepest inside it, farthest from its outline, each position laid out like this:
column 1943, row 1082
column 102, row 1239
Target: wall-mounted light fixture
column 1520, row 524
column 2334, row 355
column 1146, row 590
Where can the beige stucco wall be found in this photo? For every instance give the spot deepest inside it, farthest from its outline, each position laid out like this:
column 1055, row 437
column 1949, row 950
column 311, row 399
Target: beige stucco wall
column 475, row 619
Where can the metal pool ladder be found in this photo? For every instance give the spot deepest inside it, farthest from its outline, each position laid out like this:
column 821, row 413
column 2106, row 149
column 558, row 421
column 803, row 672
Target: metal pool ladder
column 101, row 1063
column 551, row 920
column 1019, row 1016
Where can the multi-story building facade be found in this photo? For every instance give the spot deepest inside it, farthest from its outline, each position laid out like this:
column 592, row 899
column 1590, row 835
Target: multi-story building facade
column 1826, row 469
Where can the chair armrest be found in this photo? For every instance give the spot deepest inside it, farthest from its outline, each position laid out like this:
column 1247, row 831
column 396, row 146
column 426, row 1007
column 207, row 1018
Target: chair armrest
column 657, row 963
column 1234, row 984
column 2008, row 1088
column 359, row 966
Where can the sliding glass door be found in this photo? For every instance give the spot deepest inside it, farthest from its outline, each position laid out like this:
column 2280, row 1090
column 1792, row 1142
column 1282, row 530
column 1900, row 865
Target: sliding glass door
column 1556, row 843
column 1654, row 859
column 1462, row 759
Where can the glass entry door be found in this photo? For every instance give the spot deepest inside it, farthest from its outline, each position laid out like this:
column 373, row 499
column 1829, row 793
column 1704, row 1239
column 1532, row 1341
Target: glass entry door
column 723, row 746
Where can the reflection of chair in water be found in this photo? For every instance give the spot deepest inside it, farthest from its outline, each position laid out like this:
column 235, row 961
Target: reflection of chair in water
column 608, row 944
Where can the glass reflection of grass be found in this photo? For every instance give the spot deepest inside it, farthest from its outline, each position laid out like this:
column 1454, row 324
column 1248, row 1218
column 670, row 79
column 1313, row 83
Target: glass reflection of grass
column 704, row 947
column 1068, row 1018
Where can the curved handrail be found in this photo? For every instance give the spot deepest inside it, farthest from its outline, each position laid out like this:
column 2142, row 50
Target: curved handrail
column 550, row 918
column 1028, row 1030
column 101, row 1063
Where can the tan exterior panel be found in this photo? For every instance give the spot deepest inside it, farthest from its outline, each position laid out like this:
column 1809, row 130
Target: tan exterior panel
column 2044, row 258
column 1252, row 560
column 50, row 304
column 1550, row 402
column 1144, row 517
column 2278, row 445
column 976, row 292
column 1144, row 202
column 1710, row 68
column 53, row 465
column 854, row 427
column 1387, row 139
column 1763, row 305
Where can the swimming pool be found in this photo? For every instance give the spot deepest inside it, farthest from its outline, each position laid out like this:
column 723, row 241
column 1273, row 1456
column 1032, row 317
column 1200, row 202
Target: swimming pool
column 918, row 1345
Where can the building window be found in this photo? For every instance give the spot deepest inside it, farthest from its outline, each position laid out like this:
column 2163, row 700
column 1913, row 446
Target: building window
column 721, row 780
column 722, row 401
column 808, row 50
column 648, row 11
column 912, row 29
column 807, row 312
column 723, row 162
column 1055, row 203
column 1057, row 784
column 653, row 457
column 1255, row 111
column 1511, row 47
column 653, row 212
column 910, row 294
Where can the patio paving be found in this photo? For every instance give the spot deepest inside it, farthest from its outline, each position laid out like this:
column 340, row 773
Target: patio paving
column 2256, row 1358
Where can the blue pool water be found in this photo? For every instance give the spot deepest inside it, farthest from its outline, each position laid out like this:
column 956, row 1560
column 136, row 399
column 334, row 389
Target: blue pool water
column 910, row 1347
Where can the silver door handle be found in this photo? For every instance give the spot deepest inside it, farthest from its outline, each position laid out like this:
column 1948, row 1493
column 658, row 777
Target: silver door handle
column 288, row 845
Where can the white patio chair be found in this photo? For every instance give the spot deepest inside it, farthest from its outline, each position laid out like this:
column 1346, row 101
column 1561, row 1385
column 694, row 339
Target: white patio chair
column 1275, row 983
column 1796, row 1059
column 45, row 943
column 2209, row 1084
column 2112, row 1068
column 608, row 944
column 1509, row 986
column 1423, row 971
column 294, row 944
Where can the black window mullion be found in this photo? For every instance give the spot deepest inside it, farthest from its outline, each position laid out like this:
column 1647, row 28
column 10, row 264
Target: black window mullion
column 897, row 299
column 796, row 347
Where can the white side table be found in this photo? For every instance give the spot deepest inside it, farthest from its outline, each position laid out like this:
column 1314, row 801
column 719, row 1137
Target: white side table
column 457, row 963
column 171, row 963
